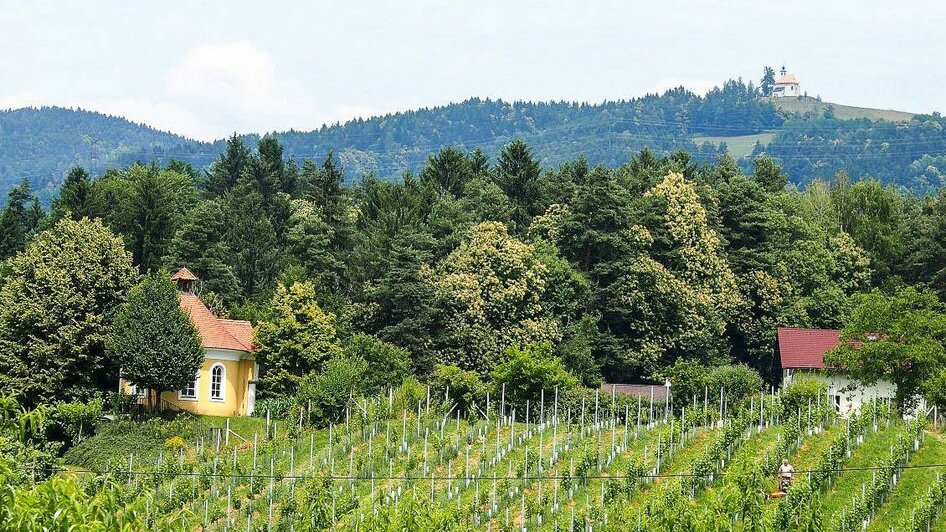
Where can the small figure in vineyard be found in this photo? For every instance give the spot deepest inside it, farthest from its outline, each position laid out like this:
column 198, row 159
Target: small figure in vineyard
column 786, row 474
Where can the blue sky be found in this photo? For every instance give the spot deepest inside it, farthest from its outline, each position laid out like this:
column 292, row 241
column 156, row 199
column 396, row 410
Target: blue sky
column 206, row 69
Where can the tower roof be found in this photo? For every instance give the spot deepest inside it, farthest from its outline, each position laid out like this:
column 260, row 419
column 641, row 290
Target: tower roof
column 183, row 275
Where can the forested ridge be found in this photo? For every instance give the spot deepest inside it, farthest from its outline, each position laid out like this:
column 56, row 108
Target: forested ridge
column 622, row 271
column 41, row 145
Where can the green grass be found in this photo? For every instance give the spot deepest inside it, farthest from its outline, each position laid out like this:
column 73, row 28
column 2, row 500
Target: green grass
column 896, row 512
column 873, row 451
column 843, row 112
column 115, row 441
column 738, row 146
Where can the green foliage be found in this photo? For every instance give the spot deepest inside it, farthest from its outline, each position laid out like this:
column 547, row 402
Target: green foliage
column 388, row 364
column 465, row 388
column 801, row 392
column 529, row 370
column 153, row 340
column 328, row 393
column 689, row 379
column 58, row 302
column 297, row 338
column 899, row 338
column 490, row 291
column 77, row 420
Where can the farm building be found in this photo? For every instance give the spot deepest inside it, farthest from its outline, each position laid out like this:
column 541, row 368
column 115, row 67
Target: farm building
column 801, row 352
column 225, row 385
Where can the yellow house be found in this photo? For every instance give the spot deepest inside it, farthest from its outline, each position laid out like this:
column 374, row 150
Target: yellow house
column 225, row 385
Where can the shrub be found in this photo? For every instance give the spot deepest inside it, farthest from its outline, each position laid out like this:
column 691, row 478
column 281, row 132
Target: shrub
column 527, row 371
column 387, row 363
column 465, row 387
column 690, row 379
column 278, row 407
column 77, row 420
column 798, row 394
column 408, row 394
column 328, row 392
column 175, row 444
column 739, row 381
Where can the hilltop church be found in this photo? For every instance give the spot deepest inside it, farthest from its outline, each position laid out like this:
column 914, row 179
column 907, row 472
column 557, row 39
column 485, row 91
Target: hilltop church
column 786, row 85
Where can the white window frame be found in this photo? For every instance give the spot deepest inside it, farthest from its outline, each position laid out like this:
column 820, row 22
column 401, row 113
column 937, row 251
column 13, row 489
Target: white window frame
column 180, row 393
column 136, row 391
column 223, row 379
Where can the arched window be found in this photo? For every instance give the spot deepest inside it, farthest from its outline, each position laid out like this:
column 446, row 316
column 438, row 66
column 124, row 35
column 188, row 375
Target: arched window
column 217, row 375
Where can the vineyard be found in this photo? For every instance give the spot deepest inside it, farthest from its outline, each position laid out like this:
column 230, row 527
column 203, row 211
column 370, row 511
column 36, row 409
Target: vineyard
column 403, row 462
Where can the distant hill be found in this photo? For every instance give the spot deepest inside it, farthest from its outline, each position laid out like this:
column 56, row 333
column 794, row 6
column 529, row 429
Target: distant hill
column 42, row 144
column 812, row 139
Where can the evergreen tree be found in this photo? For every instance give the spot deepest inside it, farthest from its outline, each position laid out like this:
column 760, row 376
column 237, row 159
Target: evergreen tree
column 199, row 246
column 518, row 176
column 228, row 167
column 75, row 196
column 450, row 169
column 768, row 81
column 18, row 220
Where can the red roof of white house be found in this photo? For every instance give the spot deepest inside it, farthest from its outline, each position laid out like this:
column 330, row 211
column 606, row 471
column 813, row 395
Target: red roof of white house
column 805, row 348
column 786, row 79
column 214, row 332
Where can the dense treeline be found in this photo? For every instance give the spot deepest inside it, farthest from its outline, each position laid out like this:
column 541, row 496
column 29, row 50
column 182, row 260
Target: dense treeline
column 907, row 154
column 43, row 144
column 621, row 273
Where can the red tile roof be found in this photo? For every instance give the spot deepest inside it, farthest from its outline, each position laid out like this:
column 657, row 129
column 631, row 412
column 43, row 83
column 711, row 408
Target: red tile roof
column 805, row 348
column 183, row 275
column 215, row 332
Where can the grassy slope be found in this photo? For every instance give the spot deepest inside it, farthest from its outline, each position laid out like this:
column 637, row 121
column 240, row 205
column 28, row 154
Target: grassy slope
column 843, row 112
column 870, row 454
column 115, row 441
column 738, row 146
column 896, row 511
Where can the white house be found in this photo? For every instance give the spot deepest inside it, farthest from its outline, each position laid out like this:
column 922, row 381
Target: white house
column 801, row 352
column 786, row 85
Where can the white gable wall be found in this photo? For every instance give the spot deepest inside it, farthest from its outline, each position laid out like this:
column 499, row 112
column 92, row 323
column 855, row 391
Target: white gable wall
column 847, row 395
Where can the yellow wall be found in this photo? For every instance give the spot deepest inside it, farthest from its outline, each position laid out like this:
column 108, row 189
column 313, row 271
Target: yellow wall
column 238, row 375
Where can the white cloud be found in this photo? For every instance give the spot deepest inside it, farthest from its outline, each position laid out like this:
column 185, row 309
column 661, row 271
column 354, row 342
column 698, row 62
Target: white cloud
column 215, row 90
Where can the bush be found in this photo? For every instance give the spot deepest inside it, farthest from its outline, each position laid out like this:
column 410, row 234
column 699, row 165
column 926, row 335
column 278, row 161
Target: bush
column 77, row 420
column 798, row 394
column 465, row 387
column 328, row 392
column 387, row 363
column 739, row 382
column 408, row 394
column 528, row 371
column 690, row 379
column 278, row 407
